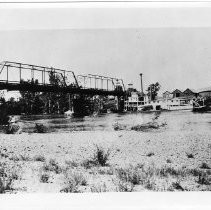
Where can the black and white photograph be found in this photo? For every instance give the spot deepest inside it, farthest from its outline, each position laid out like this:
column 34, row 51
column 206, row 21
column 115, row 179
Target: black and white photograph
column 105, row 97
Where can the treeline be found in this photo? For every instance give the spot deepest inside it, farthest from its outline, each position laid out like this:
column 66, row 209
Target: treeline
column 55, row 103
column 51, row 103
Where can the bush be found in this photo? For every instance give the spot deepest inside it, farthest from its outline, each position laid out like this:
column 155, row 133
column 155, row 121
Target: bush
column 101, row 156
column 118, row 127
column 204, row 166
column 131, row 174
column 125, row 186
column 53, row 166
column 13, row 128
column 74, row 179
column 87, row 164
column 177, row 186
column 40, row 128
column 150, row 154
column 189, row 155
column 44, row 178
column 39, row 158
column 7, row 177
column 146, row 127
column 204, row 179
column 72, row 163
column 99, row 188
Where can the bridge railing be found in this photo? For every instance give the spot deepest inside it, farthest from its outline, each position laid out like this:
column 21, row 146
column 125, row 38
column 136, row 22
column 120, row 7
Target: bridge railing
column 13, row 72
column 92, row 81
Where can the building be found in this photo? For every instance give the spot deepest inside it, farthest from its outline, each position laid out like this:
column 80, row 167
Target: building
column 177, row 93
column 190, row 94
column 205, row 92
column 167, row 95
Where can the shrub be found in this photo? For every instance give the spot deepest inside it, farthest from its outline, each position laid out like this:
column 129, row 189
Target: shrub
column 73, row 179
column 72, row 163
column 168, row 161
column 20, row 158
column 118, row 127
column 53, row 166
column 166, row 171
column 177, row 186
column 204, row 166
column 106, row 170
column 87, row 164
column 189, row 155
column 204, row 179
column 101, row 156
column 39, row 158
column 99, row 188
column 40, row 128
column 131, row 174
column 13, row 128
column 44, row 178
column 150, row 154
column 124, row 186
column 7, row 177
column 145, row 127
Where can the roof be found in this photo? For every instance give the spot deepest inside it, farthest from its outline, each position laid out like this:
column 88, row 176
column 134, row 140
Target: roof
column 207, row 89
column 166, row 92
column 176, row 90
column 192, row 90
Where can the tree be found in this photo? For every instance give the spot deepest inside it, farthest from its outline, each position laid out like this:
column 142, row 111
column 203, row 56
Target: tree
column 153, row 91
column 56, row 102
column 31, row 101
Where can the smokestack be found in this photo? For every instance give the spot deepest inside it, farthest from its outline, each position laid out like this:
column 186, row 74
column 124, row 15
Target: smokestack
column 141, row 83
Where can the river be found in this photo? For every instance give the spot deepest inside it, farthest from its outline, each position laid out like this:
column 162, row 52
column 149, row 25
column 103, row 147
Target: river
column 175, row 121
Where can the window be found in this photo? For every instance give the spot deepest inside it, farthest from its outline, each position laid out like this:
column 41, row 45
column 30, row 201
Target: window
column 177, row 94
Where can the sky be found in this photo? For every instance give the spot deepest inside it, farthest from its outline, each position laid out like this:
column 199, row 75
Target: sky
column 168, row 45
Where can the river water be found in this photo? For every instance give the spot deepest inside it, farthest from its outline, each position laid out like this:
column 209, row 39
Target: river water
column 174, row 120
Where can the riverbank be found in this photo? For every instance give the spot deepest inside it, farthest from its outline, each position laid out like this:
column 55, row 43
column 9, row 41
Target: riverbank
column 96, row 161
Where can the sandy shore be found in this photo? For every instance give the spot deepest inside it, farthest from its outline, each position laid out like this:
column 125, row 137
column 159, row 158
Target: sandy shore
column 154, row 149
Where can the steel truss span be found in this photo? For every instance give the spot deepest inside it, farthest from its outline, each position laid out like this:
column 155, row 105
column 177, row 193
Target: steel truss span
column 34, row 78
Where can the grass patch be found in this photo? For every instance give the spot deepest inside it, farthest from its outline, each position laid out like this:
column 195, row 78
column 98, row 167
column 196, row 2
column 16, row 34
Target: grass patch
column 20, row 158
column 99, row 188
column 72, row 163
column 73, row 180
column 160, row 179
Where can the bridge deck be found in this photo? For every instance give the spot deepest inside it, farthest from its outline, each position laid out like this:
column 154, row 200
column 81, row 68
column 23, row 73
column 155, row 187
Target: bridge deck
column 52, row 88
